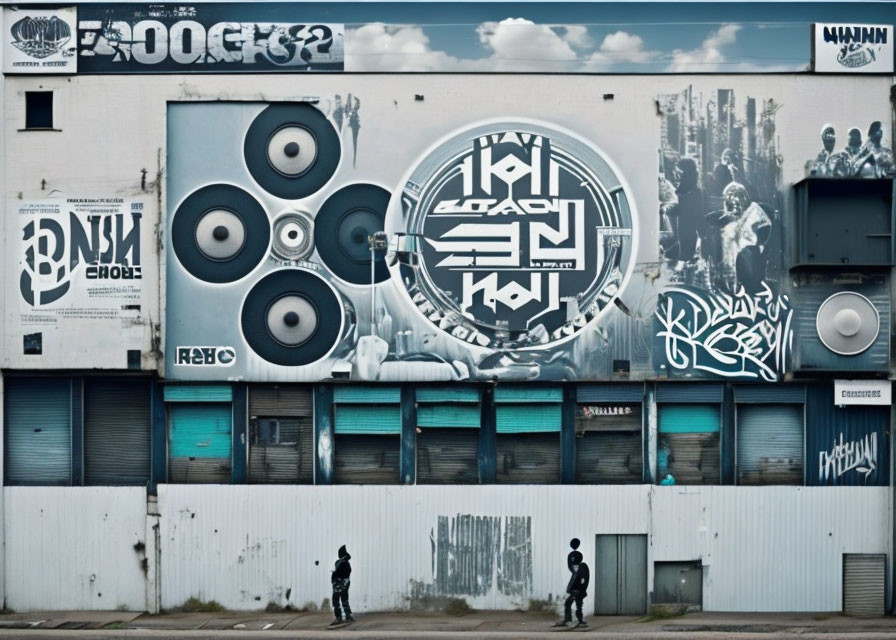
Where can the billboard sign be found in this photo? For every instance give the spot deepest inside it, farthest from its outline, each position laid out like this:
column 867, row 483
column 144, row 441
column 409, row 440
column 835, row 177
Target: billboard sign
column 852, row 48
column 39, row 40
column 205, row 38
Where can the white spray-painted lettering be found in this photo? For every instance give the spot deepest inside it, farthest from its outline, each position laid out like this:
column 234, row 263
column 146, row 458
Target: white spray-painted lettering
column 860, row 455
column 741, row 335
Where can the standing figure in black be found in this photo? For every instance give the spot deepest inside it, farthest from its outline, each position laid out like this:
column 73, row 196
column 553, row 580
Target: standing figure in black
column 341, row 581
column 577, row 588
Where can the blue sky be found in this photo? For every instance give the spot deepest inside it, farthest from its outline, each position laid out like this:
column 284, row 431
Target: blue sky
column 615, row 37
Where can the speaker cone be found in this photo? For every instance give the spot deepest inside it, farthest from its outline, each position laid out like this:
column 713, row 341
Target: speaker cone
column 291, row 150
column 292, row 317
column 220, row 233
column 293, row 236
column 341, row 229
column 847, row 323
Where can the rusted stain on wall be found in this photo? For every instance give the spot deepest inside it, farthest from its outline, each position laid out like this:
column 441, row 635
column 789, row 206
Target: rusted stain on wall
column 474, row 554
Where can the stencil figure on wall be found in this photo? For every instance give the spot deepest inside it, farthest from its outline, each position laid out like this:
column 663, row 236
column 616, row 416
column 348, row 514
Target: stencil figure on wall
column 857, row 160
column 720, row 212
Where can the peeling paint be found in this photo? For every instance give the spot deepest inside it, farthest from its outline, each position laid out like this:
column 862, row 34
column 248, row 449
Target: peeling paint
column 473, row 555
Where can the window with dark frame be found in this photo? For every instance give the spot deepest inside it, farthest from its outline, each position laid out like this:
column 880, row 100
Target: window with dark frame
column 38, row 109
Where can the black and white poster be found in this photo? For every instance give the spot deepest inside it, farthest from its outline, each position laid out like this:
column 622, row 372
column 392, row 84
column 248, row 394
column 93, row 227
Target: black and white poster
column 79, row 259
column 39, row 40
column 206, row 38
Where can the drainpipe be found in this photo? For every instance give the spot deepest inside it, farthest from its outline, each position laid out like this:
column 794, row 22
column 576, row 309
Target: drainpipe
column 152, row 560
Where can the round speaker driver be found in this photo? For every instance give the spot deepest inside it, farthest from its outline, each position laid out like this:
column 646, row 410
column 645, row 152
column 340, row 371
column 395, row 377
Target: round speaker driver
column 342, row 227
column 291, row 320
column 291, row 149
column 292, row 317
column 847, row 323
column 293, row 236
column 220, row 233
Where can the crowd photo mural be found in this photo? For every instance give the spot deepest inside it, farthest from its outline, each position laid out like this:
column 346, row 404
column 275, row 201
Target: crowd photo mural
column 721, row 312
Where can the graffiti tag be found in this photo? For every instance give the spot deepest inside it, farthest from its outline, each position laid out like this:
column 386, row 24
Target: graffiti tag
column 860, row 455
column 740, row 335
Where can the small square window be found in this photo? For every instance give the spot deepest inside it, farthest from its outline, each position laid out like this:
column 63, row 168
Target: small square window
column 38, row 109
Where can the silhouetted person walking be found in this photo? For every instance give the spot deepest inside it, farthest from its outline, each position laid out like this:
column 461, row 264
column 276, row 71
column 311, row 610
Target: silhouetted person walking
column 577, row 588
column 341, row 580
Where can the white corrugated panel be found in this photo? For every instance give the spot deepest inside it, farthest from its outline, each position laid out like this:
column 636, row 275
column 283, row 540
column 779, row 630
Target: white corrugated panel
column 769, row 548
column 247, row 545
column 73, row 548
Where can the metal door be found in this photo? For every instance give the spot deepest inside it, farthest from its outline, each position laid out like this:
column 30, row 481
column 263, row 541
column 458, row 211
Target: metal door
column 678, row 583
column 620, row 584
column 864, row 584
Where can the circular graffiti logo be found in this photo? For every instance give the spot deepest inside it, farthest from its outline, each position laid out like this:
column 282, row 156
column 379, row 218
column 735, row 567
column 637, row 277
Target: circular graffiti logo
column 512, row 235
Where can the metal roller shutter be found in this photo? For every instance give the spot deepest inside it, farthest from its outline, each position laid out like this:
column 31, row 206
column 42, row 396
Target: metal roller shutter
column 864, row 584
column 448, row 456
column 609, row 457
column 528, row 458
column 199, row 443
column 280, row 400
column 688, row 443
column 366, row 459
column 116, row 431
column 283, row 454
column 528, row 418
column 37, row 418
column 770, row 444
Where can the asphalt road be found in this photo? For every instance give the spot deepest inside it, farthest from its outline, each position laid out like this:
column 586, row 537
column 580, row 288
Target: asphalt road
column 683, row 634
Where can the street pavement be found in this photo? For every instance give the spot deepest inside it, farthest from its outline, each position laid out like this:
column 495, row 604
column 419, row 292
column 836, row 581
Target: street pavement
column 407, row 624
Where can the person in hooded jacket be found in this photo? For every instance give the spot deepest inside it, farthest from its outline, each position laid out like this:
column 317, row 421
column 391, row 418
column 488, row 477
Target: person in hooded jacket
column 340, row 578
column 577, row 588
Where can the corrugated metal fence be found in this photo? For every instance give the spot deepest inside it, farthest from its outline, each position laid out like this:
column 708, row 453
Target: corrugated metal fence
column 761, row 548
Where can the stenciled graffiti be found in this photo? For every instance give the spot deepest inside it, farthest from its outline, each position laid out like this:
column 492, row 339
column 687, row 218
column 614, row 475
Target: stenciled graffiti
column 742, row 335
column 858, row 159
column 859, row 455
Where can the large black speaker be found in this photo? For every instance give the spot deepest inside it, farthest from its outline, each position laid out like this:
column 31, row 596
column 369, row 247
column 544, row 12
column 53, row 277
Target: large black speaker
column 291, row 150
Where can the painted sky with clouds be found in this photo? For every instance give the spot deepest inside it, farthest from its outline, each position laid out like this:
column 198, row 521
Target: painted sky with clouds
column 582, row 37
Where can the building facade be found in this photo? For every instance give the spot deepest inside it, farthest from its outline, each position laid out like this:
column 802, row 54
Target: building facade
column 451, row 321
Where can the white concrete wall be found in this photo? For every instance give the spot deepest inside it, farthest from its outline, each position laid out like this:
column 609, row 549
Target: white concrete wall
column 764, row 549
column 113, row 127
column 73, row 548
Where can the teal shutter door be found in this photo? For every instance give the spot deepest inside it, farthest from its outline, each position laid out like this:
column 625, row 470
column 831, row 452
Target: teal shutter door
column 770, row 444
column 688, row 443
column 199, row 442
column 371, row 419
column 37, row 418
column 689, row 418
column 449, row 415
column 528, row 418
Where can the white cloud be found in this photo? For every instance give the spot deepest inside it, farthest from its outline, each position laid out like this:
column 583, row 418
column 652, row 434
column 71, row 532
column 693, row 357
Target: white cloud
column 514, row 44
column 709, row 57
column 620, row 47
column 520, row 44
column 380, row 47
column 577, row 36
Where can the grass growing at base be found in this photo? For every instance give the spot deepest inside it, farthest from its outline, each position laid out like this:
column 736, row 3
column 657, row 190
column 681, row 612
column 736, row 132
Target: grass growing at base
column 195, row 605
column 662, row 612
column 457, row 607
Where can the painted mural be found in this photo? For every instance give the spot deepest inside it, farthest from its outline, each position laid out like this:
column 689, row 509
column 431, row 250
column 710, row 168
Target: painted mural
column 721, row 311
column 857, row 159
column 500, row 254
